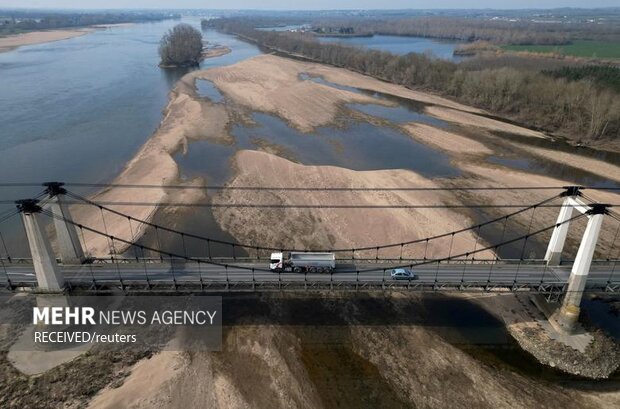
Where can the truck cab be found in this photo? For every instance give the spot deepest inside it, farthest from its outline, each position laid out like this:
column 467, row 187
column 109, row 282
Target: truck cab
column 276, row 262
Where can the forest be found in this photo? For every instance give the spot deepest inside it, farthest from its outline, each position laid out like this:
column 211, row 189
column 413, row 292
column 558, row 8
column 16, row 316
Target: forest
column 15, row 22
column 604, row 75
column 511, row 32
column 580, row 107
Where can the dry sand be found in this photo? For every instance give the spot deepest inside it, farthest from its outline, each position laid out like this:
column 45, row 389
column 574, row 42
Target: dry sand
column 259, row 367
column 465, row 118
column 445, row 140
column 264, row 365
column 271, row 84
column 349, row 78
column 37, row 37
column 341, row 228
column 439, row 375
column 598, row 167
column 146, row 381
column 363, row 351
column 217, row 51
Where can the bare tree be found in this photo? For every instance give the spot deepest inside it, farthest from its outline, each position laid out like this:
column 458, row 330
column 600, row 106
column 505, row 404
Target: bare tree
column 181, row 46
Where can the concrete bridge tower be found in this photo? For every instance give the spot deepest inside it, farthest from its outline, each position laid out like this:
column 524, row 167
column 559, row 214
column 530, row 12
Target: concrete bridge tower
column 69, row 244
column 49, row 277
column 566, row 317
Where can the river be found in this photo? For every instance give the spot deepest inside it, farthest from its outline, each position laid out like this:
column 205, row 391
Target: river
column 77, row 110
column 401, row 45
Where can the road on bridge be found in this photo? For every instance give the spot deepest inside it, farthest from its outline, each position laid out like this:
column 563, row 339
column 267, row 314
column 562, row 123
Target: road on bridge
column 496, row 274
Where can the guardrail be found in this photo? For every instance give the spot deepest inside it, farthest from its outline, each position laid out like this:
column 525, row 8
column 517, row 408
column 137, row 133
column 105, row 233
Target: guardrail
column 240, row 260
column 551, row 288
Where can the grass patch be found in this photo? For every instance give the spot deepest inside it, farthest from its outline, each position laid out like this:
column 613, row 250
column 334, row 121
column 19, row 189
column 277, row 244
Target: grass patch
column 578, row 48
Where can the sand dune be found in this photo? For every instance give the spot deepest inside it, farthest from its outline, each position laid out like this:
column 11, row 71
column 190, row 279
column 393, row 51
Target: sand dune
column 271, row 84
column 343, row 228
column 343, row 361
column 352, row 79
column 466, row 118
column 480, row 174
column 445, row 140
column 592, row 165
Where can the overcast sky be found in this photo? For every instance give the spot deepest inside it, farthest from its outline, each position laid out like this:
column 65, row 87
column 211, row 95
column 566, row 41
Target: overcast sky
column 305, row 4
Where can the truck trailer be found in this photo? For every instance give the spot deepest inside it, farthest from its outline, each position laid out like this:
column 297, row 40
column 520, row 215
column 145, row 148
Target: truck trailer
column 299, row 262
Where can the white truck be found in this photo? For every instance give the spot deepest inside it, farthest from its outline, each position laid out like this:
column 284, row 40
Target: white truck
column 299, row 262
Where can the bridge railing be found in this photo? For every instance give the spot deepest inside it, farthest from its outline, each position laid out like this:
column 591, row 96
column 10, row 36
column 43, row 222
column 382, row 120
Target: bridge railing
column 254, row 260
column 232, row 284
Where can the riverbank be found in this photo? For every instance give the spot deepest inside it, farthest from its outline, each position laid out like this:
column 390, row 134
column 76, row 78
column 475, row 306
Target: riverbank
column 11, row 42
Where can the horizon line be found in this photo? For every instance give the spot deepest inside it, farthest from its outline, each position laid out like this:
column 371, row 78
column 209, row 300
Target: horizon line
column 307, row 9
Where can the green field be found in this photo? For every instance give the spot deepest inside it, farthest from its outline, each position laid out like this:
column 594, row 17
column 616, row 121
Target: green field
column 579, row 48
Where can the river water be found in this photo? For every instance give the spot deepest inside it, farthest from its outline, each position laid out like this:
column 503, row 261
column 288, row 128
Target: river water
column 401, row 45
column 78, row 110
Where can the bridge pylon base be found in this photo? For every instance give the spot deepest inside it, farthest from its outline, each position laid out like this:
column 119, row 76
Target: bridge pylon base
column 566, row 318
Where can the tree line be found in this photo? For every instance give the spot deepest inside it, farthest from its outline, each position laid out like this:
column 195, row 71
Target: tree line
column 20, row 22
column 518, row 32
column 604, row 75
column 580, row 109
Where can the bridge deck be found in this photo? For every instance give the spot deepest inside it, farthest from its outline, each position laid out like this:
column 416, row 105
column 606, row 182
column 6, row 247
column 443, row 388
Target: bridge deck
column 239, row 276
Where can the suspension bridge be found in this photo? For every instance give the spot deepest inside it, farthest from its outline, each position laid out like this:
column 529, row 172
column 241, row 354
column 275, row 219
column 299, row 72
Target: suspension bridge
column 137, row 266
